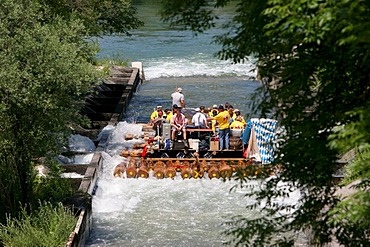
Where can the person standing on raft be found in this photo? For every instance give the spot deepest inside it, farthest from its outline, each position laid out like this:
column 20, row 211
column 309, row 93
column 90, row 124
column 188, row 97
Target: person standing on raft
column 223, row 119
column 178, row 98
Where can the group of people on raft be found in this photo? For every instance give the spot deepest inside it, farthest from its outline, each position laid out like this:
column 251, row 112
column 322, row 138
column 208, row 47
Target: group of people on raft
column 220, row 119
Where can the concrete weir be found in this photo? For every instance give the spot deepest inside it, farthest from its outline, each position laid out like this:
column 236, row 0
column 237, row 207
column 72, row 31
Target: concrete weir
column 104, row 106
column 108, row 101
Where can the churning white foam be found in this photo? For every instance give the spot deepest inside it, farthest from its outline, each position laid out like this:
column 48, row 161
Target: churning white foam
column 196, row 65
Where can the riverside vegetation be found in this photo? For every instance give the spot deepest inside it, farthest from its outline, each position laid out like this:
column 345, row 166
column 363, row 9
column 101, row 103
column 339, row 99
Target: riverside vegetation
column 313, row 59
column 48, row 65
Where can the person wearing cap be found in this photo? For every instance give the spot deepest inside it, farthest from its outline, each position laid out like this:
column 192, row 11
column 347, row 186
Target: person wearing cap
column 199, row 120
column 230, row 110
column 158, row 123
column 223, row 119
column 240, row 117
column 154, row 114
column 168, row 114
column 207, row 111
column 178, row 98
column 202, row 109
column 213, row 113
column 237, row 123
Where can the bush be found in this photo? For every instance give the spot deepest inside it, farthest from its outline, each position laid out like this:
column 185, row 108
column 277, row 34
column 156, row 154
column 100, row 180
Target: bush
column 47, row 226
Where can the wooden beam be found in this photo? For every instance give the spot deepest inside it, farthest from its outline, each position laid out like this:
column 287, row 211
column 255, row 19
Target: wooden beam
column 193, row 159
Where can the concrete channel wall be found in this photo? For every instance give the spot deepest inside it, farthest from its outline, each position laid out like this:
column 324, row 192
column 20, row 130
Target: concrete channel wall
column 105, row 107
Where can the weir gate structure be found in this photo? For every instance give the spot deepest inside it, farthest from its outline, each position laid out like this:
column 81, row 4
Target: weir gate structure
column 108, row 101
column 104, row 106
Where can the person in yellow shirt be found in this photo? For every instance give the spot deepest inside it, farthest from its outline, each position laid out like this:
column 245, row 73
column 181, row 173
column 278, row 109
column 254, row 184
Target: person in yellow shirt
column 238, row 115
column 169, row 114
column 154, row 114
column 213, row 113
column 223, row 119
column 237, row 123
column 158, row 123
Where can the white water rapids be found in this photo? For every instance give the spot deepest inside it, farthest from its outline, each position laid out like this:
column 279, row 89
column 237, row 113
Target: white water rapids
column 161, row 212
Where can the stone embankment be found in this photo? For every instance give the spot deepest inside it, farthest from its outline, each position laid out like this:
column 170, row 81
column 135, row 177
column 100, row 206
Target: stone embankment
column 103, row 107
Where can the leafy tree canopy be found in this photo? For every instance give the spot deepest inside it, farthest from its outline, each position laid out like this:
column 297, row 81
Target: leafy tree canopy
column 45, row 73
column 98, row 16
column 46, row 70
column 313, row 57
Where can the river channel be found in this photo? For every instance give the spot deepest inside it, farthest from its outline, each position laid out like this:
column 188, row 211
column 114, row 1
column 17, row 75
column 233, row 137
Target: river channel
column 166, row 212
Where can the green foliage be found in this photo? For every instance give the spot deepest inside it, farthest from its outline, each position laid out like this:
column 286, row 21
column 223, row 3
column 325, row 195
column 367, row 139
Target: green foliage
column 352, row 215
column 115, row 61
column 355, row 134
column 46, row 70
column 45, row 74
column 52, row 187
column 196, row 14
column 98, row 16
column 107, row 63
column 313, row 58
column 47, row 226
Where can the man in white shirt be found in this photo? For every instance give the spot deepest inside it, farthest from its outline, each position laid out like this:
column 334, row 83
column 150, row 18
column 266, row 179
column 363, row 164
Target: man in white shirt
column 178, row 98
column 199, row 120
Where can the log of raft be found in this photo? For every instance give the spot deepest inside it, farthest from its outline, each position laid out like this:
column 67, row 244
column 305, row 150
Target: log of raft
column 136, row 152
column 213, row 172
column 241, row 168
column 197, row 172
column 158, row 170
column 125, row 153
column 177, row 165
column 184, row 169
column 143, row 171
column 129, row 137
column 205, row 165
column 185, row 172
column 139, row 145
column 151, row 165
column 225, row 170
column 170, row 171
column 131, row 170
column 119, row 170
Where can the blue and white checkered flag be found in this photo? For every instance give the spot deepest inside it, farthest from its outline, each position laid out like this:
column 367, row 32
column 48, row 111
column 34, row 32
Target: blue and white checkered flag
column 264, row 135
